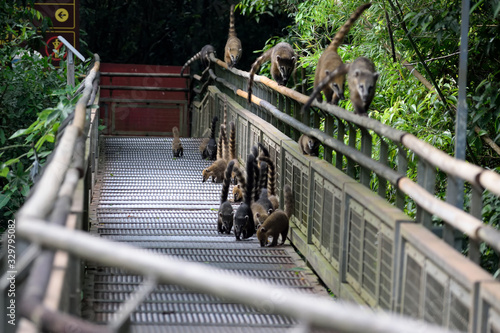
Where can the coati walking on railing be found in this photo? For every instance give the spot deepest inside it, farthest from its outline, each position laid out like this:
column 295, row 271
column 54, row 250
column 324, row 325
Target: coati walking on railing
column 177, row 148
column 278, row 222
column 226, row 213
column 283, row 60
column 232, row 51
column 203, row 56
column 330, row 60
column 362, row 80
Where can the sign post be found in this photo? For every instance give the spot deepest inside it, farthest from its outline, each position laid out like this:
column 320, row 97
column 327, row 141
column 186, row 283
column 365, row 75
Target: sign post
column 71, row 63
column 65, row 17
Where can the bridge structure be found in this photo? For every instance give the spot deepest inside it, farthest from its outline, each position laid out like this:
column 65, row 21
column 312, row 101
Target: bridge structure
column 120, row 236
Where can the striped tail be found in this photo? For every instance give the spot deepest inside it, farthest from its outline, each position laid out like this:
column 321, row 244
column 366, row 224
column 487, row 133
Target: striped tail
column 344, row 30
column 226, row 182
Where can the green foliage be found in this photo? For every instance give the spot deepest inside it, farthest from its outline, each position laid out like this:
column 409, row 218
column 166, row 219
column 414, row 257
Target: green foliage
column 29, row 88
column 401, row 101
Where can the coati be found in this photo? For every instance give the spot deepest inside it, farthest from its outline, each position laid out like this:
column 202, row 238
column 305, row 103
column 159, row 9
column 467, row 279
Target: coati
column 216, row 170
column 177, row 148
column 278, row 222
column 226, row 213
column 203, row 56
column 232, row 51
column 330, row 60
column 204, row 141
column 210, row 151
column 362, row 80
column 243, row 218
column 283, row 60
column 308, row 145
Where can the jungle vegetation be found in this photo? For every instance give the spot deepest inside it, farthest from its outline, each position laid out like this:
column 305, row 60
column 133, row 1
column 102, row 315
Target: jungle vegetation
column 392, row 32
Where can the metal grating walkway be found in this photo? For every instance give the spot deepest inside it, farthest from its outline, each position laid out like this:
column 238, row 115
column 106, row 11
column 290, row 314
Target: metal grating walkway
column 149, row 199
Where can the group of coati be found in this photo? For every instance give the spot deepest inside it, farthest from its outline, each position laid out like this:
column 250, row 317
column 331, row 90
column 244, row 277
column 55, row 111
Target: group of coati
column 330, row 72
column 255, row 182
column 254, row 187
column 330, row 75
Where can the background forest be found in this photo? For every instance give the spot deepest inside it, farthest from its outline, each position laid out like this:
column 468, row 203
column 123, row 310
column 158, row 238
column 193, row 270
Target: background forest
column 391, row 32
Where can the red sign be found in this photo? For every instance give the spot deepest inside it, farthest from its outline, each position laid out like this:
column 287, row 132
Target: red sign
column 64, row 15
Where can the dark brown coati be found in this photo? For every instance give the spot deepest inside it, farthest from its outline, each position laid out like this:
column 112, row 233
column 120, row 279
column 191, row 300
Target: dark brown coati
column 226, row 213
column 177, row 148
column 232, row 51
column 203, row 56
column 283, row 60
column 330, row 60
column 308, row 145
column 278, row 222
column 243, row 218
column 210, row 151
column 216, row 170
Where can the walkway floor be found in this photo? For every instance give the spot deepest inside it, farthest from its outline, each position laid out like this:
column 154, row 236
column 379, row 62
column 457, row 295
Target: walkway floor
column 149, row 199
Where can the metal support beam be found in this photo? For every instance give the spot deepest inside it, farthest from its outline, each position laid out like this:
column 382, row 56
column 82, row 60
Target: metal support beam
column 455, row 189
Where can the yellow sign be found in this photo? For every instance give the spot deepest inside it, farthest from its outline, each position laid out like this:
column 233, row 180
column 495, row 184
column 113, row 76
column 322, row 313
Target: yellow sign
column 62, row 15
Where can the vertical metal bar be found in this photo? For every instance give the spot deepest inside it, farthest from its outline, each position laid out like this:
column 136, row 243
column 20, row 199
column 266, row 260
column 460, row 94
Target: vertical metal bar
column 455, row 189
column 476, row 207
column 366, row 149
column 288, row 111
column 70, row 66
column 329, row 127
column 402, row 170
column 306, row 116
column 339, row 158
column 316, row 120
column 384, row 159
column 427, row 179
column 351, row 171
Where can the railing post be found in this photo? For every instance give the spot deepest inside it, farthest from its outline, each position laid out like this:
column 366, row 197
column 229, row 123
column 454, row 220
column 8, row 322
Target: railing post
column 450, row 234
column 427, row 179
column 366, row 148
column 329, row 127
column 384, row 159
column 402, row 170
column 476, row 205
column 70, row 63
column 340, row 136
column 351, row 171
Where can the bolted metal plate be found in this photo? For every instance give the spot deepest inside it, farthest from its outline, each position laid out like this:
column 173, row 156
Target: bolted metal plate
column 158, row 203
